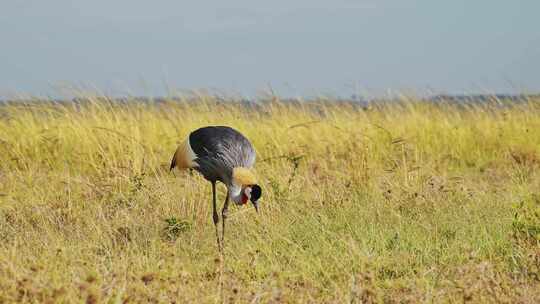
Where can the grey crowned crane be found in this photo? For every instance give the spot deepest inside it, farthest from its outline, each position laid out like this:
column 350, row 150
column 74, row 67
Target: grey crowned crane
column 222, row 154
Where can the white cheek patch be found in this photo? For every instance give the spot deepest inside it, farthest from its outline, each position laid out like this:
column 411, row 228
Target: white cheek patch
column 247, row 191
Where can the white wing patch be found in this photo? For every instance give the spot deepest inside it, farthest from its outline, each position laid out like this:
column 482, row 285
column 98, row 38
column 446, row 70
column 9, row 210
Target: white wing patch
column 184, row 156
column 189, row 155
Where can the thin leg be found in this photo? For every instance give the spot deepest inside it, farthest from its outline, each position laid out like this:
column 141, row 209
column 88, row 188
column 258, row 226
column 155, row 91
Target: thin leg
column 215, row 215
column 224, row 214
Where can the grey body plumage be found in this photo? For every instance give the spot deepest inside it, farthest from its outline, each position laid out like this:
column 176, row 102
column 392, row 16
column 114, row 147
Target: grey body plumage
column 219, row 150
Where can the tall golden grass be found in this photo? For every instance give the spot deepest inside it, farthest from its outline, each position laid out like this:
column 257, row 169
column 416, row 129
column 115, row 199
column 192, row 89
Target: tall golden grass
column 395, row 202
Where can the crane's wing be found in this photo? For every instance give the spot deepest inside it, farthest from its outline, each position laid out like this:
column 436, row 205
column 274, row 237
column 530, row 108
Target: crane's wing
column 215, row 151
column 184, row 157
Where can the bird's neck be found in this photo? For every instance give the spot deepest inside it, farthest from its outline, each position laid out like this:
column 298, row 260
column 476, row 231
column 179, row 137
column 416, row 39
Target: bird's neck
column 235, row 193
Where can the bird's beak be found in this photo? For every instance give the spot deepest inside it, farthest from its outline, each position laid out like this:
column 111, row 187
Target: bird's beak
column 256, row 205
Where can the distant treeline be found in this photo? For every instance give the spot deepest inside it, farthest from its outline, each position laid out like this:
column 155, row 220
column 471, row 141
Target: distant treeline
column 353, row 100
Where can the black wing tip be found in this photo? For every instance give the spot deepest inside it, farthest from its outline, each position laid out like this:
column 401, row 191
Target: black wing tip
column 173, row 164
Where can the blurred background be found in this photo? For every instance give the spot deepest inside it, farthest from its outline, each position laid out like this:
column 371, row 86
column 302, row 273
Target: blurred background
column 294, row 48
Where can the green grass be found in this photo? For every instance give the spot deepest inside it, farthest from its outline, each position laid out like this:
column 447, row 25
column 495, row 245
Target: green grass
column 402, row 202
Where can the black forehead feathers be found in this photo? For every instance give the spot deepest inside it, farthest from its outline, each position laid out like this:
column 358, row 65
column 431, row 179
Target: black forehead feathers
column 256, row 192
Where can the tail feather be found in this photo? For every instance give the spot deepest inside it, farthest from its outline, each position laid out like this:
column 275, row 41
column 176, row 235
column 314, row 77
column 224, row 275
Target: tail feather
column 173, row 162
column 183, row 158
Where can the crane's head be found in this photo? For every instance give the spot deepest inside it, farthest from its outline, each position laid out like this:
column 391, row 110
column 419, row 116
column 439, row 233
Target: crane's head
column 251, row 191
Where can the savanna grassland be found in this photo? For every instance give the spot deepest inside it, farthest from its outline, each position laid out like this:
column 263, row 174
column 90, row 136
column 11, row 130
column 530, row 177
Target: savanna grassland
column 400, row 202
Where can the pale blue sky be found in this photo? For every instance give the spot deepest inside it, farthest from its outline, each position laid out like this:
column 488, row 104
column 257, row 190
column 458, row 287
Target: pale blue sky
column 302, row 47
